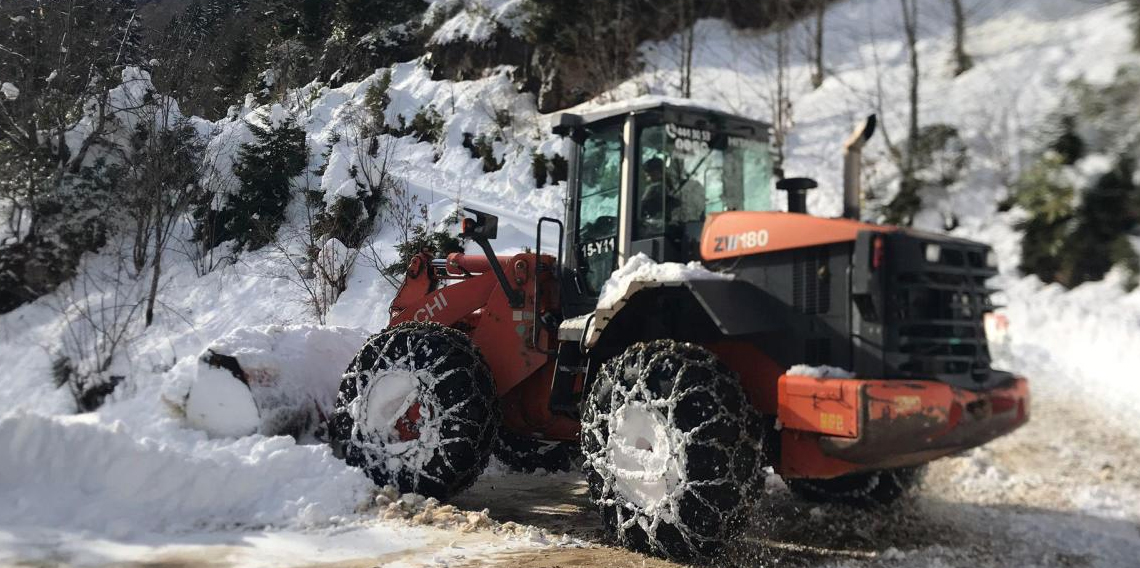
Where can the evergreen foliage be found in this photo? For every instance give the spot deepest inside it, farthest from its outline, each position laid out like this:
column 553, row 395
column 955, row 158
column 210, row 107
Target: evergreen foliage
column 1067, row 144
column 1048, row 198
column 1077, row 234
column 265, row 170
column 1071, row 244
column 939, row 160
column 482, row 148
column 376, row 101
column 441, row 243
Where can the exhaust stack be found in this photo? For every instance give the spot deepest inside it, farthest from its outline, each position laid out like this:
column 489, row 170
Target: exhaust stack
column 853, row 165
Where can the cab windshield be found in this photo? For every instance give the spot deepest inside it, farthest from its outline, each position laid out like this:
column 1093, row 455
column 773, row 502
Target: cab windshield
column 686, row 173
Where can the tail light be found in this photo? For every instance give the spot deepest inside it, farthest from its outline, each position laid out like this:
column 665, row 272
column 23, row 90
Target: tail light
column 877, row 252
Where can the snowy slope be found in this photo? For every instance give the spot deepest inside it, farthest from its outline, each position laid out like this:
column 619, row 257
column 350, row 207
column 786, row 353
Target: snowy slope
column 133, row 469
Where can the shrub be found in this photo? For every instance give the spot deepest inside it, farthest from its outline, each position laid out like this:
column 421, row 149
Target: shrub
column 482, row 148
column 439, row 242
column 540, row 168
column 939, row 160
column 346, row 220
column 427, row 125
column 376, row 101
column 1071, row 245
column 265, row 169
column 1048, row 198
column 559, row 169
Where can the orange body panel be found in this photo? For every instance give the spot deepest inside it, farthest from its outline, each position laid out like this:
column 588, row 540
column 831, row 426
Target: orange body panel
column 828, row 406
column 740, row 233
column 475, row 303
column 759, row 373
column 526, row 409
column 897, row 423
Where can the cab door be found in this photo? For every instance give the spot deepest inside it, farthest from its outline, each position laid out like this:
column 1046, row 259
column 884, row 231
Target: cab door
column 599, row 195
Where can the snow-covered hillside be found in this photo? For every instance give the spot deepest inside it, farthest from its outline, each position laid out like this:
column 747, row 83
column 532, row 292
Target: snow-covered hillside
column 132, row 482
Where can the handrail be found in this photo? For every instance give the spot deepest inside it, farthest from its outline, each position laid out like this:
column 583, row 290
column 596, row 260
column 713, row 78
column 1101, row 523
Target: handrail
column 538, row 267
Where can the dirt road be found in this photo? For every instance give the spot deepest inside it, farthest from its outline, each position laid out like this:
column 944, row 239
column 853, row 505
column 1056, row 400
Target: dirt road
column 1063, row 491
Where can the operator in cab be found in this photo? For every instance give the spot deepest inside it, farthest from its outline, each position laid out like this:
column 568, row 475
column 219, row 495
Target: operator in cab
column 668, row 199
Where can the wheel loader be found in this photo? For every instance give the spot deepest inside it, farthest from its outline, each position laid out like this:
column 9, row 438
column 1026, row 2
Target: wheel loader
column 679, row 338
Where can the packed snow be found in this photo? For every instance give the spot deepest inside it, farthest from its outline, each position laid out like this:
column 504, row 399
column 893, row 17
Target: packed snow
column 134, row 481
column 10, row 91
column 119, row 480
column 476, row 21
column 290, row 379
column 819, row 372
column 642, row 269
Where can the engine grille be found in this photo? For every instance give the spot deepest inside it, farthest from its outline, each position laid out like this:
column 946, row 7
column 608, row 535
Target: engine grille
column 937, row 313
column 810, row 280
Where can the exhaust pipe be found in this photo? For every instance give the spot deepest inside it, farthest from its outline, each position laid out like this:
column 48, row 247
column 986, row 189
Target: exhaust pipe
column 853, row 165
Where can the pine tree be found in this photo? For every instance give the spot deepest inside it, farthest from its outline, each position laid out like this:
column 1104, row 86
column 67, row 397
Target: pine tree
column 127, row 39
column 265, row 169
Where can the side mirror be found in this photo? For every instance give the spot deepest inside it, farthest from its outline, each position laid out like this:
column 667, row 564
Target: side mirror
column 483, row 226
column 797, row 189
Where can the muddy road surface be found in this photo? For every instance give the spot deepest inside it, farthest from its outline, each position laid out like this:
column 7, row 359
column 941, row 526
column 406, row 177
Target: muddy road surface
column 1063, row 491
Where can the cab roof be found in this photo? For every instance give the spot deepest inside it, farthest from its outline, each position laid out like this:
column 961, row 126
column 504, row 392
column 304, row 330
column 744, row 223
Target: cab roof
column 567, row 121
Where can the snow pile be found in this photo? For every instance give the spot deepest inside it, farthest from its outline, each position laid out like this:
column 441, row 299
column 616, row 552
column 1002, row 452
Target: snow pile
column 221, row 405
column 821, row 372
column 293, row 373
column 73, row 472
column 420, row 511
column 1082, row 343
column 641, row 269
column 476, row 20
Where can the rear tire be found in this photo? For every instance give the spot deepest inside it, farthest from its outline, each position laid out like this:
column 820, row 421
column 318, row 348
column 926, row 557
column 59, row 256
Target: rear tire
column 672, row 449
column 528, row 455
column 865, row 490
column 417, row 409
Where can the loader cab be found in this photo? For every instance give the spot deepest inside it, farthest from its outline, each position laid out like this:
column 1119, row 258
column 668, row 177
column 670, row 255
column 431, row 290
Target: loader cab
column 645, row 176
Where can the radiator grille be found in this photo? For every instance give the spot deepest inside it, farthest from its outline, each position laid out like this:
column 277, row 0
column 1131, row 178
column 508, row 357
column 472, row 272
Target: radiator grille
column 810, row 282
column 939, row 309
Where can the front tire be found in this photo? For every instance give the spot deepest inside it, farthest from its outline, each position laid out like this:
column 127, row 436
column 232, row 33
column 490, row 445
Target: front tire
column 417, row 409
column 865, row 489
column 672, row 449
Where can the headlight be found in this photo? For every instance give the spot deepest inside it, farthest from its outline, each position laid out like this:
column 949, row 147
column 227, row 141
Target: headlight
column 933, row 253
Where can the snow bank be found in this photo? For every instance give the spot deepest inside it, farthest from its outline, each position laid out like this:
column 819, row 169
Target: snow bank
column 293, row 374
column 1083, row 344
column 641, row 268
column 77, row 473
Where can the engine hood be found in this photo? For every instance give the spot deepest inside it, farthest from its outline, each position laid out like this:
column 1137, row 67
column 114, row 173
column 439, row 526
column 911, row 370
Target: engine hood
column 740, row 233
